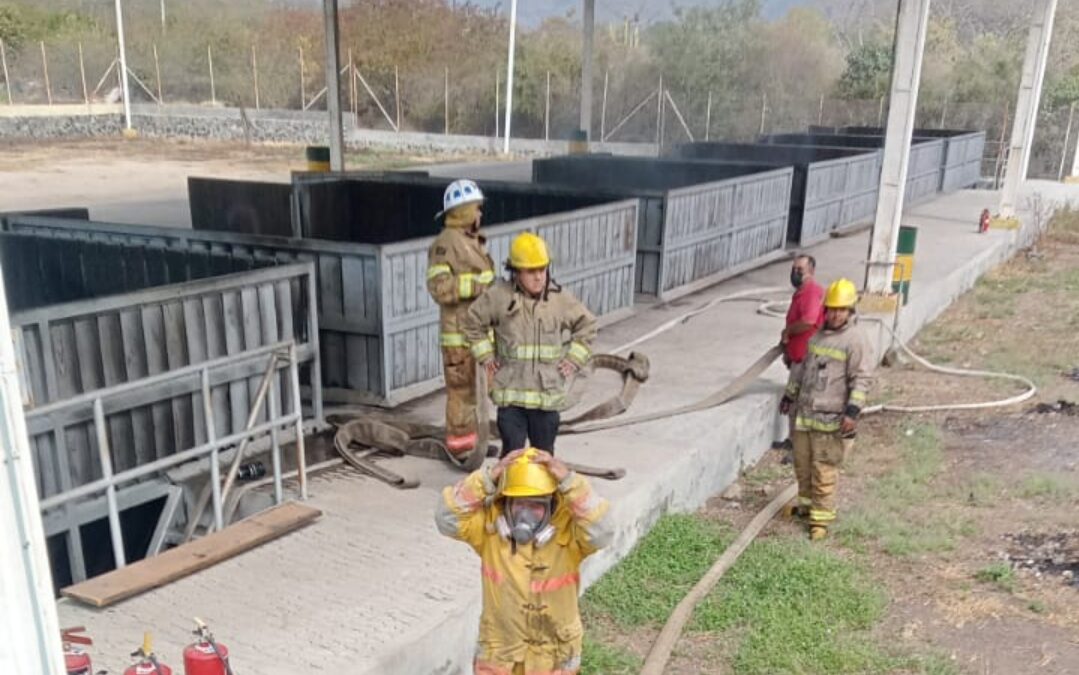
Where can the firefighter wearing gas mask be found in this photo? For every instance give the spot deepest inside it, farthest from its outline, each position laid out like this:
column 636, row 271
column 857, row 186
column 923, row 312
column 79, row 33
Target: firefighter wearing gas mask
column 532, row 521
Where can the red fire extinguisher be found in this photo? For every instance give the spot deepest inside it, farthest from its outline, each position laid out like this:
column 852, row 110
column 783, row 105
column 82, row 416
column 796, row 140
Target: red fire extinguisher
column 206, row 656
column 147, row 661
column 76, row 660
column 983, row 224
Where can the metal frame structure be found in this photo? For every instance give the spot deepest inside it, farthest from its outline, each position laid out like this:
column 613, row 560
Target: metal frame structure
column 55, row 418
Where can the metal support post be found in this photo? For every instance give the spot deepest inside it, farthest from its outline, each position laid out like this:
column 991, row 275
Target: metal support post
column 211, row 437
column 588, row 38
column 1026, row 107
column 906, row 77
column 105, row 456
column 333, row 86
column 125, row 88
column 509, row 75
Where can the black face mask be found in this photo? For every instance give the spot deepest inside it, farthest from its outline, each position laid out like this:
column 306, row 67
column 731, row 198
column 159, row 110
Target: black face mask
column 796, row 278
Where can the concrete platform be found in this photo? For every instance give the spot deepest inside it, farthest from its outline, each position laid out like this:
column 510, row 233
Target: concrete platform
column 372, row 588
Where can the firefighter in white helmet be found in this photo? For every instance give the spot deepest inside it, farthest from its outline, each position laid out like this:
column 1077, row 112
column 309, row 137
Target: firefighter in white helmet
column 542, row 337
column 827, row 392
column 532, row 521
column 459, row 271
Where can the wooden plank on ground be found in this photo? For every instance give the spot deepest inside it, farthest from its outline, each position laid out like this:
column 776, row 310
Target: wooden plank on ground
column 186, row 559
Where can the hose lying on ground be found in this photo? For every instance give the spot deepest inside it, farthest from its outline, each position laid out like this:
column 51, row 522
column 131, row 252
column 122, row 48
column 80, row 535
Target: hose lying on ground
column 660, row 654
column 661, row 650
column 768, row 309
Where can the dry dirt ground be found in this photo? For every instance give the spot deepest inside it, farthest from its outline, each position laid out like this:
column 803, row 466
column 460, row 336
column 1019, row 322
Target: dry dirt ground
column 968, row 521
column 145, row 180
column 983, row 564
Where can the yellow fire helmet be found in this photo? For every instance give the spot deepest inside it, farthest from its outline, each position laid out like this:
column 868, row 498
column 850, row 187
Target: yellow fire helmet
column 524, row 478
column 528, row 252
column 842, row 294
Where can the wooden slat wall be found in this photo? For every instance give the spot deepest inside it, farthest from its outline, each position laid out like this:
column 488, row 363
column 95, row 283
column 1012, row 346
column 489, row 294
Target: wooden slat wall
column 593, row 252
column 350, row 342
column 90, row 345
column 714, row 227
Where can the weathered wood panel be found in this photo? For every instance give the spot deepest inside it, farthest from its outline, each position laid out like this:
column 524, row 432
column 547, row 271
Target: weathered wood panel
column 713, row 228
column 89, row 345
column 593, row 254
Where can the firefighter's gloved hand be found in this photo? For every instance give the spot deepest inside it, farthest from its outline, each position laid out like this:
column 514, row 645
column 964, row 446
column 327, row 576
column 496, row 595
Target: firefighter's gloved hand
column 497, row 469
column 557, row 467
column 847, row 426
column 785, row 405
column 567, row 368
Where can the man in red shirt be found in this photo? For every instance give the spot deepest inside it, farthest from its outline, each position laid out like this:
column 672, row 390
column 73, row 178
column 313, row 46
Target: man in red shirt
column 805, row 316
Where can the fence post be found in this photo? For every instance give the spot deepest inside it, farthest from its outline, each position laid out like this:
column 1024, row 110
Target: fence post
column 880, row 113
column 446, row 104
column 82, row 74
column 303, row 81
column 659, row 114
column 708, row 118
column 45, row 69
column 352, row 88
column 498, row 82
column 944, row 112
column 764, row 111
column 820, row 110
column 7, row 79
column 603, row 105
column 547, row 111
column 397, row 94
column 255, row 71
column 157, row 70
column 210, row 61
column 1067, row 141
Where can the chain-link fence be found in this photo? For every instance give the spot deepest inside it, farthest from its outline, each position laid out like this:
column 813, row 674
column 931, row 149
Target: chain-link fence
column 628, row 102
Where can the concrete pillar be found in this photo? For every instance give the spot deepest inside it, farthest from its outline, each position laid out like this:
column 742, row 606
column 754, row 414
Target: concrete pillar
column 509, row 76
column 126, row 93
column 31, row 642
column 333, row 86
column 1026, row 108
column 589, row 19
column 906, row 76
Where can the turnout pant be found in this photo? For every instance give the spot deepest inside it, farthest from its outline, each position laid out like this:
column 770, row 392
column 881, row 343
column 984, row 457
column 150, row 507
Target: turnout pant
column 459, row 369
column 817, row 458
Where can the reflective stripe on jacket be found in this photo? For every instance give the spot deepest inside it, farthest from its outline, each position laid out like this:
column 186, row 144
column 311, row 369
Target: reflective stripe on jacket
column 458, row 271
column 531, row 336
column 837, row 372
column 530, row 612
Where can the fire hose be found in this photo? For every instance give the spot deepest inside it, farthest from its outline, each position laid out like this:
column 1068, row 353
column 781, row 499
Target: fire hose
column 358, row 440
column 660, row 653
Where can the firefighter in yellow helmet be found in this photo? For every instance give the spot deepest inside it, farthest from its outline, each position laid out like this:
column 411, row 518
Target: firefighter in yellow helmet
column 827, row 392
column 542, row 337
column 532, row 521
column 458, row 271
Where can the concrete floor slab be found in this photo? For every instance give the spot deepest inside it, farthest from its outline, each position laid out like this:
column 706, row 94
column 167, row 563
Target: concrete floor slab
column 372, row 587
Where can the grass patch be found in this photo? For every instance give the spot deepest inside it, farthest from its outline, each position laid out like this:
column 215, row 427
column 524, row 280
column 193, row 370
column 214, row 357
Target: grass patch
column 766, row 475
column 1000, row 575
column 1037, row 606
column 645, row 587
column 799, row 608
column 889, row 515
column 602, row 658
column 1041, row 485
column 979, row 489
